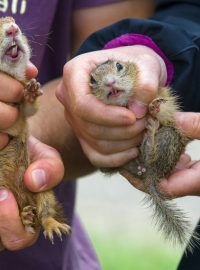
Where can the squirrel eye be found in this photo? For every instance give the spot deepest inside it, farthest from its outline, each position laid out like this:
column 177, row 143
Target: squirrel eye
column 92, row 80
column 119, row 66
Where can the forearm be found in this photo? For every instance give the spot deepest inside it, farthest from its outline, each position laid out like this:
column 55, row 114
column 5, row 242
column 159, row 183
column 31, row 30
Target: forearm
column 50, row 126
column 109, row 13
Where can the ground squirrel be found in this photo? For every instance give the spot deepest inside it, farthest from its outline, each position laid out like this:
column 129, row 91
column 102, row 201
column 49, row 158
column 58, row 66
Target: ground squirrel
column 115, row 82
column 36, row 209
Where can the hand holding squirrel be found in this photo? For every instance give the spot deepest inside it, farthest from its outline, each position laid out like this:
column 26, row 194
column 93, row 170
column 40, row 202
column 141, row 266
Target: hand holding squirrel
column 21, row 102
column 111, row 138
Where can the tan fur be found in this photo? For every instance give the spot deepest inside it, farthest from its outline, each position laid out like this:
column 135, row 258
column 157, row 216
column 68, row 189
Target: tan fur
column 36, row 209
column 160, row 149
column 108, row 72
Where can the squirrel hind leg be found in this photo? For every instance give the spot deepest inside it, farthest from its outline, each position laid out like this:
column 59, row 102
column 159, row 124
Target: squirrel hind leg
column 51, row 226
column 50, row 215
column 29, row 218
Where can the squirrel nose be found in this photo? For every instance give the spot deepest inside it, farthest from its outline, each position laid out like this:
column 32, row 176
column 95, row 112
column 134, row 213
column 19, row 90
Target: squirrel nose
column 12, row 31
column 109, row 84
column 110, row 81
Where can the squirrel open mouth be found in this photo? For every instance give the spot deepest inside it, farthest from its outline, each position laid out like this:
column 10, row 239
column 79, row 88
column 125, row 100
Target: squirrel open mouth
column 13, row 52
column 114, row 93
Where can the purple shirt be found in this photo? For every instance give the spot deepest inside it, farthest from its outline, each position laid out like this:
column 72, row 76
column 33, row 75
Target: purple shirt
column 47, row 26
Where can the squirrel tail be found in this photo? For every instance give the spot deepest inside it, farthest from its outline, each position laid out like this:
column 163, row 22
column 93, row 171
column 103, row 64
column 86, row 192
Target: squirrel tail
column 169, row 219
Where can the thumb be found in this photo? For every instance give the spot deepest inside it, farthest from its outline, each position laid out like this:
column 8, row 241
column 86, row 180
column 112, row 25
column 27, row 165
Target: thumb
column 189, row 123
column 46, row 169
column 12, row 231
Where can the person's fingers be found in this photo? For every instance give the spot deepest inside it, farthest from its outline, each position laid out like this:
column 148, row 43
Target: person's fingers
column 183, row 182
column 89, row 109
column 183, row 163
column 152, row 75
column 101, row 160
column 189, row 123
column 107, row 148
column 12, row 232
column 4, row 139
column 31, row 70
column 100, row 132
column 11, row 89
column 46, row 169
column 14, row 89
column 8, row 115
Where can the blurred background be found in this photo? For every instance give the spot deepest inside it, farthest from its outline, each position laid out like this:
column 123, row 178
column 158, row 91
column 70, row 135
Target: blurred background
column 120, row 225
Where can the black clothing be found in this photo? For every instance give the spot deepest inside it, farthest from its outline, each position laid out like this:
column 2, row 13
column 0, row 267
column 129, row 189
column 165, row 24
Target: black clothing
column 175, row 28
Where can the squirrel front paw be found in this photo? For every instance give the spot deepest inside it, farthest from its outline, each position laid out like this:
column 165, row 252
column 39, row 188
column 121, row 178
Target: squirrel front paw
column 32, row 90
column 154, row 106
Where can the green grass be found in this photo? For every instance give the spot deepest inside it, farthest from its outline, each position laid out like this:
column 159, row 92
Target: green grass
column 122, row 253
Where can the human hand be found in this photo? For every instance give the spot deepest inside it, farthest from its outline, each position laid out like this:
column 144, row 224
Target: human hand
column 109, row 135
column 185, row 178
column 45, row 171
column 11, row 91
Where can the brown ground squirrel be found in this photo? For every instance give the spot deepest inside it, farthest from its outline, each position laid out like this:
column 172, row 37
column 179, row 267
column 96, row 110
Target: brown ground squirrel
column 36, row 209
column 115, row 82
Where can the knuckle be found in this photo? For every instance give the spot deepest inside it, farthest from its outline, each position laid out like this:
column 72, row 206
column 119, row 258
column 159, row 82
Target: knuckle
column 94, row 157
column 104, row 147
column 78, row 108
column 9, row 117
column 66, row 69
column 94, row 160
column 149, row 91
column 94, row 131
column 18, row 244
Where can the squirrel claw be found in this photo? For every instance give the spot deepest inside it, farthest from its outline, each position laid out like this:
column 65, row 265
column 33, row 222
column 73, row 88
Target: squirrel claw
column 51, row 226
column 32, row 90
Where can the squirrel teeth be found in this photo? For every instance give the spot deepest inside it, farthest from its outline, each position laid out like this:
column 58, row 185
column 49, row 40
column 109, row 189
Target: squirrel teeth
column 114, row 93
column 14, row 51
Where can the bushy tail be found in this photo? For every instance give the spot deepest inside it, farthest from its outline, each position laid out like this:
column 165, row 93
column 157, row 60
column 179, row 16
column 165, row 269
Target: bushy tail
column 169, row 219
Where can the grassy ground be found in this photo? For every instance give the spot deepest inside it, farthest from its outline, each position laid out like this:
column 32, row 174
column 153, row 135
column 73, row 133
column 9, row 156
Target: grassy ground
column 120, row 253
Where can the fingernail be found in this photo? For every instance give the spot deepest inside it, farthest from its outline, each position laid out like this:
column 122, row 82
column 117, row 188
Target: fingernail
column 138, row 108
column 3, row 194
column 39, row 178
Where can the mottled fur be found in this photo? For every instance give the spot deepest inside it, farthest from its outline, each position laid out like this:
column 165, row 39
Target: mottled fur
column 162, row 145
column 36, row 209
